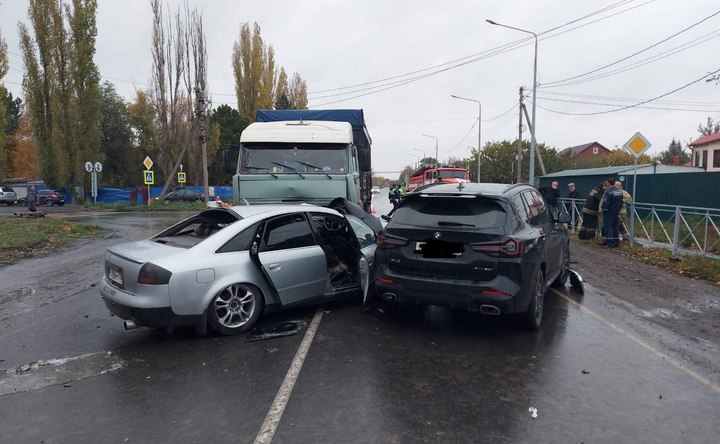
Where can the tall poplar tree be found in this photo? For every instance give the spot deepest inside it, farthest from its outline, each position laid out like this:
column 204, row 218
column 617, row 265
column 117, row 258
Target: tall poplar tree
column 62, row 87
column 4, row 155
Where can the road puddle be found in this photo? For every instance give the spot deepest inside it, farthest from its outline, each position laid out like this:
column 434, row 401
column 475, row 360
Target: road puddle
column 45, row 373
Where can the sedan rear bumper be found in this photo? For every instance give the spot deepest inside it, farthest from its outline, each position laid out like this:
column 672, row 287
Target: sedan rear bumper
column 151, row 317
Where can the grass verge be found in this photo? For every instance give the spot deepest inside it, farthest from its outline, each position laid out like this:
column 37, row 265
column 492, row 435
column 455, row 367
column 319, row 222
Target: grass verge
column 25, row 237
column 156, row 206
column 694, row 266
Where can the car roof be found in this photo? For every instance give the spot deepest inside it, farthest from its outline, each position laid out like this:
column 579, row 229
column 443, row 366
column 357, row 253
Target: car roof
column 478, row 189
column 246, row 211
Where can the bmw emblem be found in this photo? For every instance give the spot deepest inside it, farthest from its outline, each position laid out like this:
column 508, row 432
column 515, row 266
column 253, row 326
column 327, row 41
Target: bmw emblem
column 437, row 235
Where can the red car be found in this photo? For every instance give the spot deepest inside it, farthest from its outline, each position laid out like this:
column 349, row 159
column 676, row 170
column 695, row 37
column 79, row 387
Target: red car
column 50, row 198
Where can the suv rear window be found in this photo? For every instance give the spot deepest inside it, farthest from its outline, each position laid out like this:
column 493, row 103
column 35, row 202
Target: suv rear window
column 449, row 212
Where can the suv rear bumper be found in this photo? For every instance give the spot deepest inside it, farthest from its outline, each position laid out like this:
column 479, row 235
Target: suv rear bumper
column 454, row 293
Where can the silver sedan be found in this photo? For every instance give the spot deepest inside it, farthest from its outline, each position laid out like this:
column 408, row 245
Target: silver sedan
column 225, row 267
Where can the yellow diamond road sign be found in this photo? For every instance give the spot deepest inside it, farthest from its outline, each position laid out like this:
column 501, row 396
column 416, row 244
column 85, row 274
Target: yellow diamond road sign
column 637, row 145
column 148, row 162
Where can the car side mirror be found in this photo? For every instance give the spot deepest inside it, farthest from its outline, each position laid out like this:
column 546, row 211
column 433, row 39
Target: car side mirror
column 563, row 218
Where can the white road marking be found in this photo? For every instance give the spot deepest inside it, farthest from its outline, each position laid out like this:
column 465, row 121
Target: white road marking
column 272, row 419
column 677, row 364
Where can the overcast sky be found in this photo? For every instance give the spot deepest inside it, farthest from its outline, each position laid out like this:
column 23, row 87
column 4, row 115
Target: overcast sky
column 413, row 50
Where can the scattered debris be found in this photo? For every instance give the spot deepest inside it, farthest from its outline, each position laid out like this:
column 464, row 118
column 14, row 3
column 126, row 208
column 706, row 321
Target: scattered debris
column 576, row 282
column 67, row 385
column 585, row 372
column 533, row 412
column 271, row 350
column 287, row 328
column 660, row 396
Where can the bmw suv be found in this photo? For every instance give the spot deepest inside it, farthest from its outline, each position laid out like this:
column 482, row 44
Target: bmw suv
column 492, row 248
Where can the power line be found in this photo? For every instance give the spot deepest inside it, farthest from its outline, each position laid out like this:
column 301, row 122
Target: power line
column 636, row 104
column 630, row 99
column 463, row 139
column 643, row 107
column 411, row 73
column 481, row 56
column 637, row 52
column 643, row 62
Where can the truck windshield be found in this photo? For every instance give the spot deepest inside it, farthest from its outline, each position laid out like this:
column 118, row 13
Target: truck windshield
column 452, row 174
column 287, row 158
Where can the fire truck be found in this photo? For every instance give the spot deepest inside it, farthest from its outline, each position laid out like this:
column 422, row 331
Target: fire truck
column 427, row 174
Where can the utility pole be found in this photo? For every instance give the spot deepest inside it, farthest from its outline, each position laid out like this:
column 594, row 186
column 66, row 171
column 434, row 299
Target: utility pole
column 537, row 148
column 201, row 115
column 519, row 141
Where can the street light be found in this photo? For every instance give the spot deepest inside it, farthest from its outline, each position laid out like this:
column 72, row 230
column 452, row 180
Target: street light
column 533, row 143
column 437, row 161
column 479, row 127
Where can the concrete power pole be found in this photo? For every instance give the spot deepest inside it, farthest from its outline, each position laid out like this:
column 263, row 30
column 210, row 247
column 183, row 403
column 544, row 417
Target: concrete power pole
column 519, row 141
column 201, row 112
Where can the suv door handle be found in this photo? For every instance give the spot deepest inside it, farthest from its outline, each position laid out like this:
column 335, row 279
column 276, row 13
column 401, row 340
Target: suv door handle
column 275, row 266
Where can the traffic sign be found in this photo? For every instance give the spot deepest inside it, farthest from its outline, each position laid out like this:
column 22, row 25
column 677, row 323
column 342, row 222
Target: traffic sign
column 98, row 167
column 148, row 162
column 149, row 177
column 637, row 145
column 181, row 177
column 88, row 167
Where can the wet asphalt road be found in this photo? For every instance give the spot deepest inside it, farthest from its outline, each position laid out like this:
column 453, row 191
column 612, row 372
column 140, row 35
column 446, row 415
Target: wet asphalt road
column 595, row 372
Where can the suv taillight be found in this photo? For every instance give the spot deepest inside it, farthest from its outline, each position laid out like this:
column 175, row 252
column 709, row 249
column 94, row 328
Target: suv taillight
column 506, row 247
column 385, row 240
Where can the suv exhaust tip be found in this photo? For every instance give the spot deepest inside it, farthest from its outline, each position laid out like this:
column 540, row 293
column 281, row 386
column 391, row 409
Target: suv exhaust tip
column 389, row 297
column 490, row 310
column 130, row 324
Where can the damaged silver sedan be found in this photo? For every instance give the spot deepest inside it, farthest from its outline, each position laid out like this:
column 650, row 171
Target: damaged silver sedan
column 225, row 267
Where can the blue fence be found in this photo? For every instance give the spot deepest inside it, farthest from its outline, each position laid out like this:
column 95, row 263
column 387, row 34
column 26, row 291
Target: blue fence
column 112, row 195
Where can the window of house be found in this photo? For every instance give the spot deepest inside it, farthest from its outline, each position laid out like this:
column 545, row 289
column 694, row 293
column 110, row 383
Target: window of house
column 697, row 159
column 595, row 150
column 716, row 159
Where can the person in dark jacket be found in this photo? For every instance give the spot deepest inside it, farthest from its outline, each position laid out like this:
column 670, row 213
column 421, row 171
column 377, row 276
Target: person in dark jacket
column 551, row 195
column 32, row 199
column 591, row 211
column 612, row 203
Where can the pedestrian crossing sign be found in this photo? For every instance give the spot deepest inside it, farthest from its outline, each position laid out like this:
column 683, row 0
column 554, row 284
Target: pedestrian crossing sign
column 181, row 177
column 149, row 177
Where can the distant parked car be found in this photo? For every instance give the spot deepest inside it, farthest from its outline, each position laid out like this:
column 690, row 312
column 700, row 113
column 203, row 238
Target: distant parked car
column 492, row 248
column 50, row 198
column 184, row 195
column 375, row 190
column 7, row 196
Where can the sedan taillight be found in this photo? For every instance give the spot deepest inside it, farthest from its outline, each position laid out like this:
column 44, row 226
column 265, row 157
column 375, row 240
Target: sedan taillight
column 151, row 274
column 385, row 240
column 506, row 247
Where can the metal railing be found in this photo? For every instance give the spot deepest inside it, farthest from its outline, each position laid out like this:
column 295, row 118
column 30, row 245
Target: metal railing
column 681, row 228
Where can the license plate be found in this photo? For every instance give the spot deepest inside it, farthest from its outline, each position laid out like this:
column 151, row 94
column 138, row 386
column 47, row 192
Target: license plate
column 115, row 275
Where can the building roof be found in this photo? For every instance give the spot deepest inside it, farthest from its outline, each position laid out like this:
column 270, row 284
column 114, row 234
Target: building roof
column 573, row 150
column 648, row 168
column 706, row 140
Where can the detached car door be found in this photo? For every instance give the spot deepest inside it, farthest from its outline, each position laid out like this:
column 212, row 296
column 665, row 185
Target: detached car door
column 291, row 260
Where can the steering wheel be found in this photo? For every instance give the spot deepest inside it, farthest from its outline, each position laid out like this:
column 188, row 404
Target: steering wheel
column 332, row 224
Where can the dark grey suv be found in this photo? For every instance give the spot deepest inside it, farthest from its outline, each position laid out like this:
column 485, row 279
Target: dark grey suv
column 491, row 248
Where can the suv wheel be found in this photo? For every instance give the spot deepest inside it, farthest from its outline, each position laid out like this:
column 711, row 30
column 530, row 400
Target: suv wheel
column 561, row 279
column 537, row 302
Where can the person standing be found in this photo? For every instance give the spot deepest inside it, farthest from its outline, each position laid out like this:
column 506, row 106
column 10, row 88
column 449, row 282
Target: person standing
column 551, row 195
column 612, row 202
column 627, row 200
column 591, row 211
column 32, row 199
column 572, row 194
column 394, row 195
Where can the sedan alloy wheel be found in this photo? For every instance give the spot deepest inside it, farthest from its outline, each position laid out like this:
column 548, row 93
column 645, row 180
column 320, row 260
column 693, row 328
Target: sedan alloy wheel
column 235, row 309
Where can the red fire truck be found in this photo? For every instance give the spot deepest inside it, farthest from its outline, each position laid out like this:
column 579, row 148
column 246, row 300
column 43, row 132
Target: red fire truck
column 427, row 174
